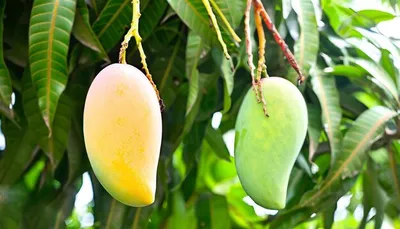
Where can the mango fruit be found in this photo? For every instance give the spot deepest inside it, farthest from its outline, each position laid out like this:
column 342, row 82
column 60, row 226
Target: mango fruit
column 266, row 148
column 122, row 131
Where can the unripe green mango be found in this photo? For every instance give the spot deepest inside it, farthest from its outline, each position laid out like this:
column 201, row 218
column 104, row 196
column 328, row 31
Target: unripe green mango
column 266, row 148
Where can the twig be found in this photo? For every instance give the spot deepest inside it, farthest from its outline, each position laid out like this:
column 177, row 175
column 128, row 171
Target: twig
column 261, row 10
column 223, row 18
column 134, row 31
column 261, row 58
column 249, row 48
column 217, row 30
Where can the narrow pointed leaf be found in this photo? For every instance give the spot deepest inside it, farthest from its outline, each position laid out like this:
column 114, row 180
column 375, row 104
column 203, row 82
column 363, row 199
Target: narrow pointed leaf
column 5, row 80
column 325, row 88
column 54, row 145
column 232, row 10
column 314, row 129
column 49, row 35
column 376, row 71
column 82, row 30
column 306, row 47
column 216, row 141
column 351, row 159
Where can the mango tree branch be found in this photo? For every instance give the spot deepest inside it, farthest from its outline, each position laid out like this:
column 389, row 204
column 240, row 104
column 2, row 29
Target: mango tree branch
column 223, row 18
column 267, row 20
column 134, row 31
column 217, row 30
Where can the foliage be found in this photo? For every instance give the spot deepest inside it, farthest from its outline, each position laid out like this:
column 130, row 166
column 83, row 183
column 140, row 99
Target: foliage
column 50, row 51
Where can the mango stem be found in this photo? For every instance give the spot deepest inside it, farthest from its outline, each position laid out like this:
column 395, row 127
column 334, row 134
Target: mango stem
column 249, row 48
column 282, row 44
column 225, row 21
column 217, row 30
column 261, row 68
column 134, row 31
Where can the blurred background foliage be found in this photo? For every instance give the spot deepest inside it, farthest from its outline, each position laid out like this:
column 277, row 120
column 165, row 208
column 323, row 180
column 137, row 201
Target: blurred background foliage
column 346, row 176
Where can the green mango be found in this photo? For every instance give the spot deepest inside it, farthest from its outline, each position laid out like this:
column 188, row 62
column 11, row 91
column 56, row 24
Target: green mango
column 266, row 148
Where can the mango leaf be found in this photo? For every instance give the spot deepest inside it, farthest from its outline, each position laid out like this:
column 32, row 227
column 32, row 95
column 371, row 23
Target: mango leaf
column 97, row 5
column 82, row 30
column 194, row 48
column 314, row 129
column 370, row 18
column 212, row 211
column 181, row 217
column 20, row 151
column 139, row 218
column 232, row 10
column 325, row 88
column 346, row 70
column 388, row 65
column 151, row 15
column 383, row 78
column 5, row 80
column 54, row 145
column 50, row 208
column 109, row 213
column 194, row 14
column 358, row 139
column 49, row 34
column 374, row 196
column 109, row 27
column 214, row 138
column 306, row 47
column 12, row 204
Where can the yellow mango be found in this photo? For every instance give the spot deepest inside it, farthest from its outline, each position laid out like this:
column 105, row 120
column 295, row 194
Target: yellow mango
column 122, row 132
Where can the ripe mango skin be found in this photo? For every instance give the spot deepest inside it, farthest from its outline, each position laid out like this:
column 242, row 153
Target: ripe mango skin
column 266, row 148
column 122, row 132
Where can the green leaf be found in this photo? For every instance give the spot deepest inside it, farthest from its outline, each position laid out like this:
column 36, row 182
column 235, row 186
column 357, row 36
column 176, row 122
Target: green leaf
column 12, row 204
column 214, row 138
column 49, row 34
column 374, row 196
column 314, row 129
column 212, row 212
column 109, row 27
column 19, row 153
column 108, row 212
column 5, row 80
column 358, row 139
column 82, row 30
column 306, row 47
column 370, row 18
column 232, row 10
column 54, row 145
column 329, row 216
column 151, row 16
column 346, row 70
column 383, row 78
column 181, row 217
column 49, row 208
column 325, row 88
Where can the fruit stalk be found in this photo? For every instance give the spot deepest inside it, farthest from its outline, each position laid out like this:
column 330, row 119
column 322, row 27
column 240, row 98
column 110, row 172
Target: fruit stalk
column 261, row 68
column 134, row 31
column 217, row 30
column 225, row 21
column 249, row 47
column 267, row 20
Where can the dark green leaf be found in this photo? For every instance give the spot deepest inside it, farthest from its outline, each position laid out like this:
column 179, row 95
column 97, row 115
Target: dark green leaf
column 214, row 138
column 5, row 80
column 49, row 34
column 82, row 30
column 314, row 129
